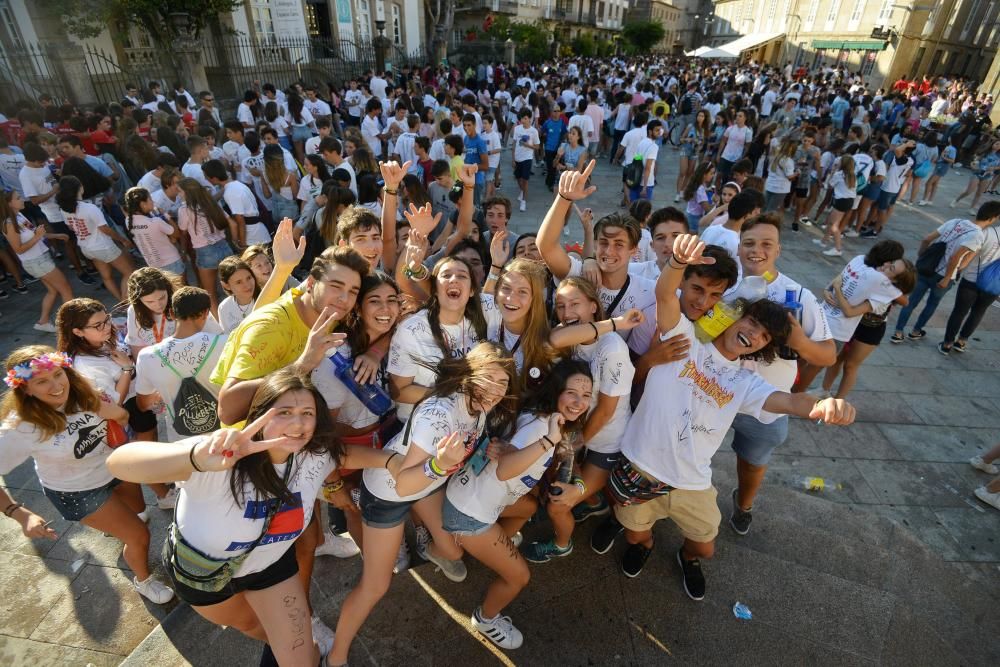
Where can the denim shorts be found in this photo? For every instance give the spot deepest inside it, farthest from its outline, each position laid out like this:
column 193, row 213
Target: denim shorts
column 301, row 133
column 687, row 151
column 693, row 221
column 177, row 268
column 603, row 460
column 754, row 441
column 886, row 200
column 456, row 522
column 872, row 191
column 379, row 513
column 283, row 207
column 39, row 266
column 106, row 255
column 208, row 257
column 78, row 505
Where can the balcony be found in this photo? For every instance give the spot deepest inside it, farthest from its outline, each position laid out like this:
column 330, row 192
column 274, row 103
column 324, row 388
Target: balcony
column 497, row 6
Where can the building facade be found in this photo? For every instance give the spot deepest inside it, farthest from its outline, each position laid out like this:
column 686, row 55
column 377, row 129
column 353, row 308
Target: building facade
column 883, row 39
column 568, row 19
column 669, row 15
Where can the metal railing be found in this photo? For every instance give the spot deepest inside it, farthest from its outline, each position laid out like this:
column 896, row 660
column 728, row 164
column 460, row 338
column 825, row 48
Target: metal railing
column 29, row 71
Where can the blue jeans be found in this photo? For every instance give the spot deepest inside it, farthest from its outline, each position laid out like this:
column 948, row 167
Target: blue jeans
column 925, row 285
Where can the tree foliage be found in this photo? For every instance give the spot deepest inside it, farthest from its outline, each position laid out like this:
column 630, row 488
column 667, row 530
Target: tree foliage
column 584, row 45
column 87, row 18
column 642, row 36
column 532, row 39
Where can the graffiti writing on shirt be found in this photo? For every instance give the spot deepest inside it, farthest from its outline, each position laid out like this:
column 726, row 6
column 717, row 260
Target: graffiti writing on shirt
column 708, row 386
column 286, row 524
column 90, row 431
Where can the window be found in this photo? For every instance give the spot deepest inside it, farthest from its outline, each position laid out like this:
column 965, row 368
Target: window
column 11, row 33
column 772, row 7
column 859, row 10
column 397, row 26
column 988, row 21
column 831, row 17
column 364, row 21
column 263, row 25
column 811, row 16
column 970, row 18
column 885, row 12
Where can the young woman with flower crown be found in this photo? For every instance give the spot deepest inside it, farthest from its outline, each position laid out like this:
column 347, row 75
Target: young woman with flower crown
column 53, row 415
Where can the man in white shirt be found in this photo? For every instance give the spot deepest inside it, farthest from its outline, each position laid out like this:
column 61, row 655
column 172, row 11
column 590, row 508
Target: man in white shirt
column 665, row 467
column 371, row 130
column 378, row 86
column 317, row 107
column 354, row 100
column 244, row 112
column 405, row 143
column 242, row 205
column 331, row 151
column 647, row 149
column 626, row 150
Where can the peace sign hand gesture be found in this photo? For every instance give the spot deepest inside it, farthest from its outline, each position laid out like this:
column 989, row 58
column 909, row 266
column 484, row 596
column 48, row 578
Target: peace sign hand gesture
column 321, row 338
column 223, row 448
column 688, row 249
column 573, row 184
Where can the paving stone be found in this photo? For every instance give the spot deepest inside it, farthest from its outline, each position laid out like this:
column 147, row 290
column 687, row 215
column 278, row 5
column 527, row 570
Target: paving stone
column 925, row 525
column 976, row 532
column 911, row 483
column 29, row 588
column 18, row 651
column 12, row 540
column 937, row 443
column 954, row 410
column 882, row 407
column 843, row 482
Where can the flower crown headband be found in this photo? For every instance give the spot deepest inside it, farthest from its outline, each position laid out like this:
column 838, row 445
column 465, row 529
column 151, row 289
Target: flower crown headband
column 23, row 372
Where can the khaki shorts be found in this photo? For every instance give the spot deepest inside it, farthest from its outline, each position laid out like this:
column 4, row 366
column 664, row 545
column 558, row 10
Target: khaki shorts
column 696, row 513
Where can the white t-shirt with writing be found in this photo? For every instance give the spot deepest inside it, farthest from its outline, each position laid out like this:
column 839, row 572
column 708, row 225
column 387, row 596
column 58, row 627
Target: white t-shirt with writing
column 73, row 460
column 524, row 138
column 152, row 237
column 686, row 410
column 413, row 345
column 210, row 520
column 232, row 313
column 351, row 411
column 36, row 181
column 434, row 419
column 612, row 371
column 640, row 293
column 859, row 283
column 483, row 497
column 957, row 234
column 86, row 223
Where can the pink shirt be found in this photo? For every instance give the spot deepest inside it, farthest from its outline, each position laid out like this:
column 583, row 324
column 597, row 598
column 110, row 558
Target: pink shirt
column 596, row 114
column 152, row 238
column 201, row 230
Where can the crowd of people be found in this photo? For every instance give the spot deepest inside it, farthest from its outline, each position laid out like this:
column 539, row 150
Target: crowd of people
column 320, row 300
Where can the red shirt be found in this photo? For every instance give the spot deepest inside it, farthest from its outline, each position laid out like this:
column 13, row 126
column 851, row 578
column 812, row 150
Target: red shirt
column 901, row 85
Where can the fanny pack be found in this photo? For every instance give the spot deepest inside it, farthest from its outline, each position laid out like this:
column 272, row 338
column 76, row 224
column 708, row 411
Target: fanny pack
column 201, row 572
column 630, row 486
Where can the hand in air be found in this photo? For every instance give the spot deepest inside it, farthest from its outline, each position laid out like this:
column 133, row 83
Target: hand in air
column 422, row 219
column 393, row 172
column 223, row 448
column 688, row 249
column 573, row 184
column 287, row 254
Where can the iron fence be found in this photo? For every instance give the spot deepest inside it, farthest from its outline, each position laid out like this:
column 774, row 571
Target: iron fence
column 110, row 73
column 28, row 71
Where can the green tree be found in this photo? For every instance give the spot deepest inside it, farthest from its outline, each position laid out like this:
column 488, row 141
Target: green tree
column 642, row 36
column 584, row 45
column 532, row 39
column 87, row 18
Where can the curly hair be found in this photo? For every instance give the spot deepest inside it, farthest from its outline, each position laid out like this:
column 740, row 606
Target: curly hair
column 774, row 319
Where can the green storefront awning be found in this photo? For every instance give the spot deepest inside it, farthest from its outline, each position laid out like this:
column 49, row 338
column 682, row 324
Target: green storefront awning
column 850, row 45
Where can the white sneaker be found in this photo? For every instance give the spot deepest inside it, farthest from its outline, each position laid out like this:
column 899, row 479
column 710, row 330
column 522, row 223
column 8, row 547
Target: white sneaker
column 47, row 327
column 454, row 570
column 973, row 211
column 335, row 545
column 517, row 539
column 423, row 539
column 923, row 202
column 143, row 516
column 322, row 636
column 152, row 590
column 852, row 233
column 992, row 499
column 953, row 203
column 820, row 242
column 833, row 252
column 498, row 630
column 806, row 221
column 402, row 558
column 168, row 501
column 978, row 463
column 520, row 196
column 523, row 206
column 677, row 197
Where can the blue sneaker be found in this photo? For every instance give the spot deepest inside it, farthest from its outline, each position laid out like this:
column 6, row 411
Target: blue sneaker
column 543, row 552
column 585, row 510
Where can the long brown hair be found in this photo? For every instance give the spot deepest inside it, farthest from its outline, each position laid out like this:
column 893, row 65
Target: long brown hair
column 144, row 282
column 257, row 469
column 697, row 179
column 81, row 397
column 7, row 214
column 197, row 198
column 473, row 309
column 354, row 326
column 74, row 314
column 274, row 168
column 534, row 340
column 466, row 375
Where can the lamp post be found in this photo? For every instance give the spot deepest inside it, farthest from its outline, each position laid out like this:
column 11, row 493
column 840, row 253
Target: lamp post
column 380, row 37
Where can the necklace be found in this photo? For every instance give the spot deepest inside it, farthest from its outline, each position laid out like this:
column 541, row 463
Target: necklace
column 244, row 311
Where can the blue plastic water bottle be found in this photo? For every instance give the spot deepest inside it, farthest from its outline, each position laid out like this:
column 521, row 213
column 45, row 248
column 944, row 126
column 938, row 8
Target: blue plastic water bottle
column 371, row 395
column 792, row 305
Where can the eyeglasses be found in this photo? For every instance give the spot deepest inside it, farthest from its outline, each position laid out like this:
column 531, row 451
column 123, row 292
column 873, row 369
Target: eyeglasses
column 100, row 326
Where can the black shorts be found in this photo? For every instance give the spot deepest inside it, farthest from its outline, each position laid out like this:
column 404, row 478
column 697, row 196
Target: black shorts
column 801, row 193
column 522, row 170
column 284, row 568
column 843, row 205
column 869, row 335
column 140, row 421
column 603, row 461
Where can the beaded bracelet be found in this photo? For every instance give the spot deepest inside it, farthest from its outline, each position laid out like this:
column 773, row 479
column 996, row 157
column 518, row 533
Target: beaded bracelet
column 13, row 507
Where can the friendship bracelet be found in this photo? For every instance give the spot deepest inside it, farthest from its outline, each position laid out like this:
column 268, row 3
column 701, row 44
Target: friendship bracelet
column 191, row 458
column 578, row 482
column 389, row 460
column 546, row 439
column 497, row 267
column 565, row 197
column 614, row 327
column 597, row 334
column 13, row 507
column 333, row 487
column 390, row 192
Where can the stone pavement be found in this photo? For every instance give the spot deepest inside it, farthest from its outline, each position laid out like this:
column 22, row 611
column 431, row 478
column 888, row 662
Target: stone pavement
column 893, row 562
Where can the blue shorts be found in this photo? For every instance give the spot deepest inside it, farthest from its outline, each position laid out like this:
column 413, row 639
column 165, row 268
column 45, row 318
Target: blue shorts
column 872, row 191
column 177, row 268
column 78, row 505
column 693, row 221
column 603, row 460
column 886, row 200
column 491, row 174
column 379, row 513
column 687, row 151
column 754, row 441
column 457, row 522
column 522, row 170
column 210, row 256
column 301, row 133
column 941, row 168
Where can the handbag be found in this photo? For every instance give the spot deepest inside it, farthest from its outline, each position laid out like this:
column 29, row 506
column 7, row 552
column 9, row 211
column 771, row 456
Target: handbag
column 199, row 571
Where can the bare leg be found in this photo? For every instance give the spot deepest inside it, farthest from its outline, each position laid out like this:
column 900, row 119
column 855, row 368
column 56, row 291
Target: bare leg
column 495, row 550
column 283, row 611
column 234, row 613
column 119, row 520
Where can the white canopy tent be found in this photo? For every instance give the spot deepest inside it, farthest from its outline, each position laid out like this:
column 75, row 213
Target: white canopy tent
column 749, row 42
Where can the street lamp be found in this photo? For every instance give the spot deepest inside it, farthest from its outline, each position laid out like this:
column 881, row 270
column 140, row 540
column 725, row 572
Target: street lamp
column 380, row 38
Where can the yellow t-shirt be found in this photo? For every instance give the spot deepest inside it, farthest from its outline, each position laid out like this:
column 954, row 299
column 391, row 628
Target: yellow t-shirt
column 267, row 340
column 456, row 167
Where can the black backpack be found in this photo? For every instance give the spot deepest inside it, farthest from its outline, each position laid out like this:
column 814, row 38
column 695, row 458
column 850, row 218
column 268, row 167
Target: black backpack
column 195, row 410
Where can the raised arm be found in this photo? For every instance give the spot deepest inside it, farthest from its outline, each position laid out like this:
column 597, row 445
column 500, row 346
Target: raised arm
column 687, row 250
column 572, row 187
column 287, row 256
column 392, row 176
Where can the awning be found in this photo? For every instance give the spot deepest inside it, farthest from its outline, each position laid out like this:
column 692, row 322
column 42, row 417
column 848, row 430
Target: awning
column 748, row 42
column 850, row 45
column 717, row 53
